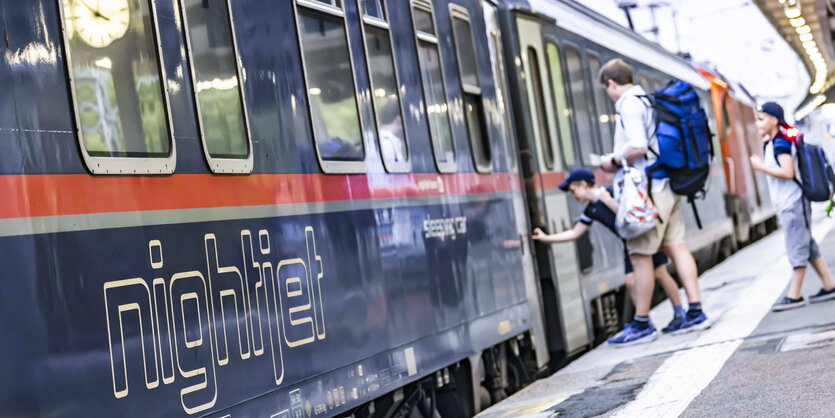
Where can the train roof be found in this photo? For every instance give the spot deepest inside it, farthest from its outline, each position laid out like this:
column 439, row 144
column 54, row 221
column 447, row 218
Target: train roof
column 587, row 23
column 735, row 89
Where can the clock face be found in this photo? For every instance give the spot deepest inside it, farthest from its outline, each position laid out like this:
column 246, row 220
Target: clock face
column 100, row 22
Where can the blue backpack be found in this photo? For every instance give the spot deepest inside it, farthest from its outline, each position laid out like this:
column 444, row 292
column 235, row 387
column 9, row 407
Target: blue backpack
column 817, row 180
column 685, row 145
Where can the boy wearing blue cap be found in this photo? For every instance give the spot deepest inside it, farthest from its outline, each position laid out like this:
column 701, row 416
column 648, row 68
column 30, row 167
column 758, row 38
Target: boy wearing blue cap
column 794, row 213
column 602, row 208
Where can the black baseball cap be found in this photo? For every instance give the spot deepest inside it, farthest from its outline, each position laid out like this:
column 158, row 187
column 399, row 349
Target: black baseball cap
column 773, row 109
column 578, row 174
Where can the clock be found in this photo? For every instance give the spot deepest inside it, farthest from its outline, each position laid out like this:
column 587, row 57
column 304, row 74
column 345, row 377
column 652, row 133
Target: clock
column 100, row 22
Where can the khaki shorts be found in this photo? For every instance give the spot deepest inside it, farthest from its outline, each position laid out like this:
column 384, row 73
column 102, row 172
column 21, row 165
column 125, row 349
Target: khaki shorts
column 668, row 232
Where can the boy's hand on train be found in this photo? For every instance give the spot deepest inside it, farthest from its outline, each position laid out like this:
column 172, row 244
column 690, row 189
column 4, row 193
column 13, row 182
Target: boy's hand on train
column 757, row 163
column 538, row 234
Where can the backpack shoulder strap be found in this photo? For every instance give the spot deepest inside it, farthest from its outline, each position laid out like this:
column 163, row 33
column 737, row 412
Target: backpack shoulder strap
column 648, row 101
column 793, row 155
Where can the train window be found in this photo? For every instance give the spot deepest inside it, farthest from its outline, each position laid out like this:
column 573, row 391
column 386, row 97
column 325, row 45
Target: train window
column 215, row 69
column 726, row 121
column 644, row 81
column 120, row 102
column 331, row 90
column 501, row 115
column 434, row 91
column 374, row 9
column 609, row 146
column 386, row 96
column 562, row 111
column 707, row 103
column 655, row 84
column 471, row 89
column 539, row 112
column 602, row 101
column 582, row 116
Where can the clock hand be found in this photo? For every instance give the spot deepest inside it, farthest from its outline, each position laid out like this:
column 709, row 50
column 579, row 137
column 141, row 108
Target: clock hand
column 96, row 11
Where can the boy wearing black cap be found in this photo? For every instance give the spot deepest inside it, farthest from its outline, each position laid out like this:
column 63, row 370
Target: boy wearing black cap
column 793, row 211
column 602, row 208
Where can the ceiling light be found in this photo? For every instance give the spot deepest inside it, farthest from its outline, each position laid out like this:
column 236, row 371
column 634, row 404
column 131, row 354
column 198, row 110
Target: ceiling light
column 793, row 13
column 803, row 29
column 806, row 37
column 797, row 21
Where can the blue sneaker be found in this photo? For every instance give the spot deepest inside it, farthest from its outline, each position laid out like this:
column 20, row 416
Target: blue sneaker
column 675, row 324
column 632, row 336
column 693, row 324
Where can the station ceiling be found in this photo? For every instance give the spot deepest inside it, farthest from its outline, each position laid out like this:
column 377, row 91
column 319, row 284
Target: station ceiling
column 807, row 26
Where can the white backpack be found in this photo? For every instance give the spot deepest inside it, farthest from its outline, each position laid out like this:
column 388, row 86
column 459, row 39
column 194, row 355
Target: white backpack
column 636, row 212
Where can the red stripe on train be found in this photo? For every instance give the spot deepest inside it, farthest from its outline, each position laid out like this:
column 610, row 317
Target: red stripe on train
column 73, row 194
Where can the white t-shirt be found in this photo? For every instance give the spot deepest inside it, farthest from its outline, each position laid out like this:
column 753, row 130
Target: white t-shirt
column 635, row 129
column 785, row 194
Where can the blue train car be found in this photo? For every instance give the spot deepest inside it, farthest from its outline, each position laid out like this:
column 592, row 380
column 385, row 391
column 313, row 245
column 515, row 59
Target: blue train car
column 304, row 207
column 257, row 208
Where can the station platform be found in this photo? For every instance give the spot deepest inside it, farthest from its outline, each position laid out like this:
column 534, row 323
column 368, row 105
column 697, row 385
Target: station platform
column 750, row 362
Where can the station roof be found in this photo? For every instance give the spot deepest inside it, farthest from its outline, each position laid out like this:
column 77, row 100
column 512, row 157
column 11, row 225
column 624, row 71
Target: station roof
column 807, row 26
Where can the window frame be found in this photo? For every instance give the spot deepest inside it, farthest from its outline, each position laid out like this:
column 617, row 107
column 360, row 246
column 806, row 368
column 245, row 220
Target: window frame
column 561, row 141
column 540, row 109
column 390, row 166
column 426, row 5
column 597, row 92
column 331, row 166
column 568, row 79
column 123, row 165
column 461, row 13
column 220, row 165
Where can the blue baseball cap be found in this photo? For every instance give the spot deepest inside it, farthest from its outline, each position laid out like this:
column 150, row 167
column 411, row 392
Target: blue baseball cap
column 578, row 174
column 773, row 109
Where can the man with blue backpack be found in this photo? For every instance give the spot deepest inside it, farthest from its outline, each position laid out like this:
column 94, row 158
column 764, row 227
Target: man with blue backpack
column 667, row 136
column 792, row 197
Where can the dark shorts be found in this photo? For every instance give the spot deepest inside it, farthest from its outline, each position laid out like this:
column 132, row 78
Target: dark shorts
column 658, row 259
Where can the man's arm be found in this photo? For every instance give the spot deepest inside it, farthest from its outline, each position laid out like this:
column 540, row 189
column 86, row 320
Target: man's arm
column 633, row 116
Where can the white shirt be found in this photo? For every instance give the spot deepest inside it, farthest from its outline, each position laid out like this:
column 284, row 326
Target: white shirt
column 635, row 129
column 785, row 194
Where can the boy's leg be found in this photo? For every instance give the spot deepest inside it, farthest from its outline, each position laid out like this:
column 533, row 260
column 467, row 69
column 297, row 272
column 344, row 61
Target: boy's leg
column 669, row 284
column 673, row 244
column 644, row 283
column 687, row 271
column 629, row 281
column 796, row 284
column 827, row 291
column 641, row 329
column 820, row 266
column 798, row 250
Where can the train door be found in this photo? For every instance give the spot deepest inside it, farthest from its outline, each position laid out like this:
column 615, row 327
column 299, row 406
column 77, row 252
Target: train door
column 563, row 299
column 735, row 149
column 748, row 120
column 502, row 118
